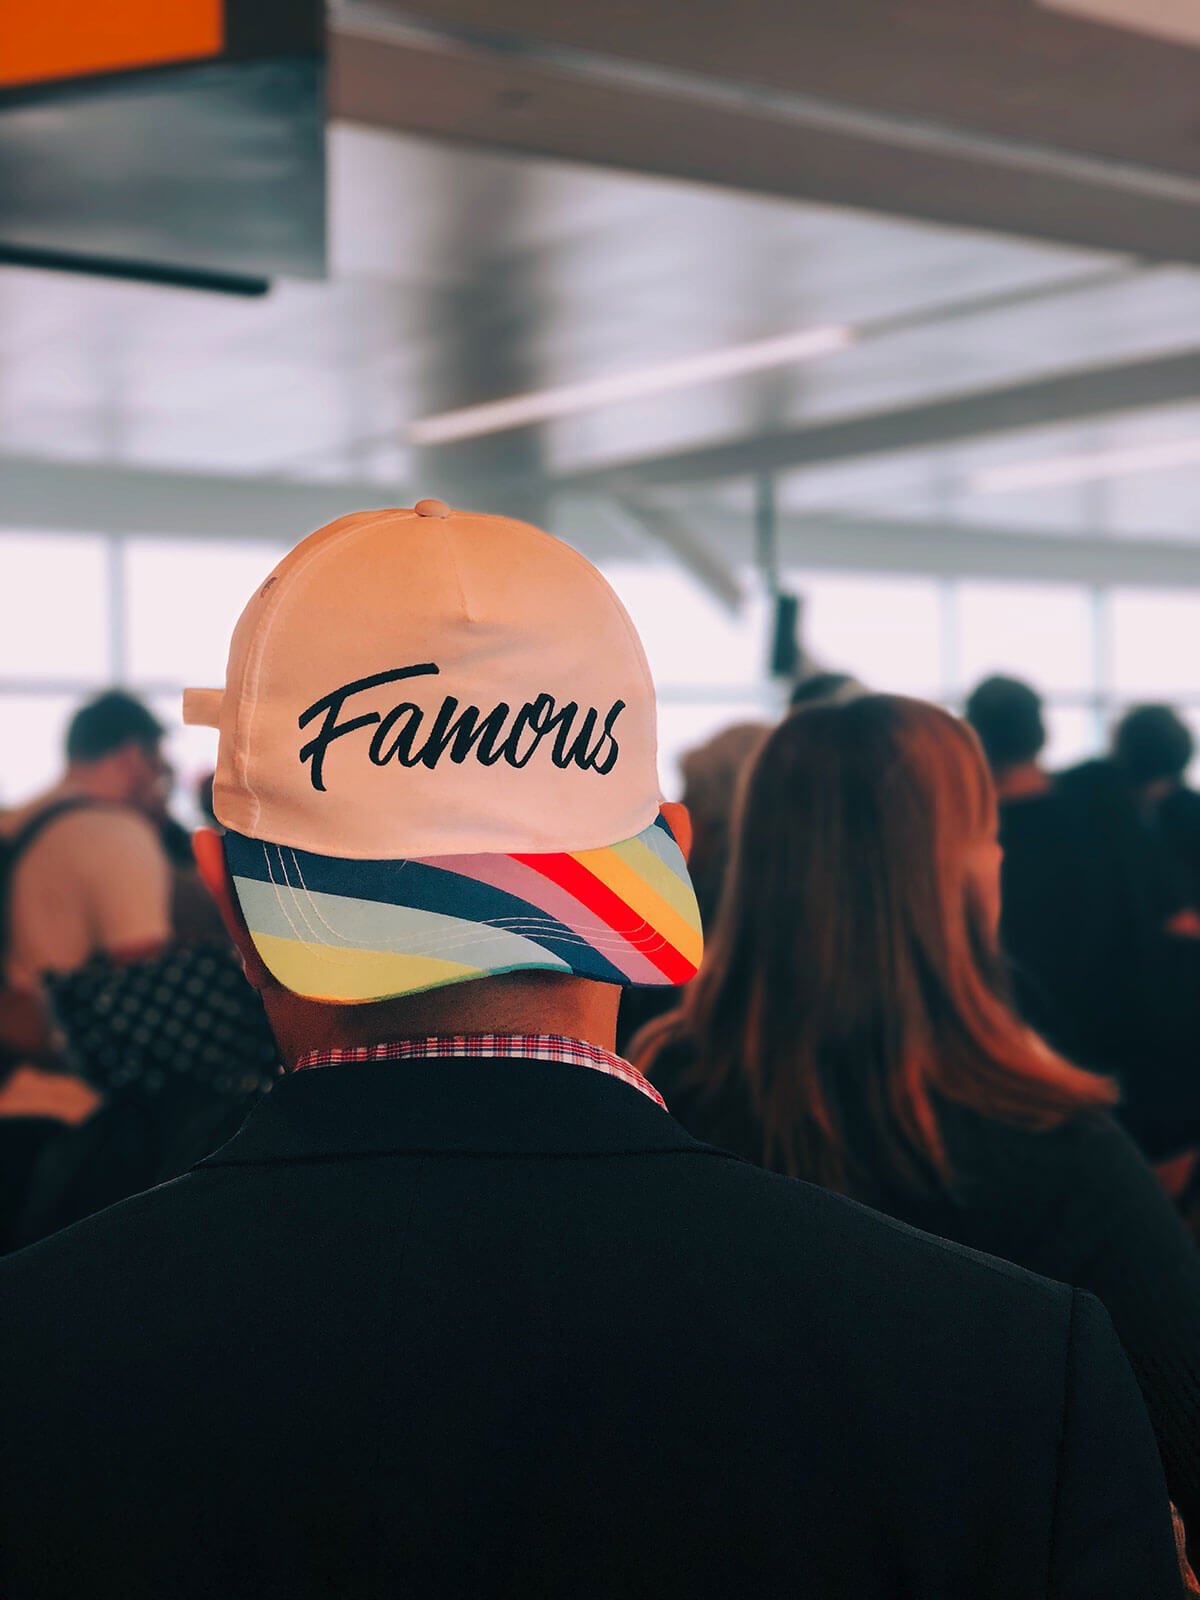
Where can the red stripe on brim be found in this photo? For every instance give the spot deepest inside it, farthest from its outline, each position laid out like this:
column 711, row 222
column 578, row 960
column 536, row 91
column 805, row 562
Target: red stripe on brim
column 565, row 871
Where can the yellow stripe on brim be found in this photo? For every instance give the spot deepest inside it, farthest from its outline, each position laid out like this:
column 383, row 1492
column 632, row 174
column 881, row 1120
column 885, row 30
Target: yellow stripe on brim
column 636, row 875
column 361, row 975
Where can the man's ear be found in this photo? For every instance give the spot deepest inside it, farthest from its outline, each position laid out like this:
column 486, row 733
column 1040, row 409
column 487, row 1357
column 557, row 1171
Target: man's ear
column 214, row 872
column 679, row 819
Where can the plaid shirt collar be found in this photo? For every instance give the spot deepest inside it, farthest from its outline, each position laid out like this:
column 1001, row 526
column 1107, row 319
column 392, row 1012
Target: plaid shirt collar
column 477, row 1046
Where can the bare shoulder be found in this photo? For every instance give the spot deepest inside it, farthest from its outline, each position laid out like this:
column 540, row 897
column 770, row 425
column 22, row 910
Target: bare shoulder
column 105, row 828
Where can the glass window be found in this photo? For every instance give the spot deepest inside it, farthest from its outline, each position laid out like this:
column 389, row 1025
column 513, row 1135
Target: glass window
column 33, row 731
column 1041, row 632
column 182, row 600
column 1155, row 643
column 54, row 607
column 887, row 631
column 1072, row 735
column 689, row 637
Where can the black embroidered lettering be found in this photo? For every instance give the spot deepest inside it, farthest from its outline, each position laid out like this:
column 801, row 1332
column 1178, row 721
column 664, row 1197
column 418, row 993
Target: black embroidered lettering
column 604, row 766
column 530, row 718
column 381, row 752
column 462, row 734
column 331, row 704
column 578, row 751
column 564, row 721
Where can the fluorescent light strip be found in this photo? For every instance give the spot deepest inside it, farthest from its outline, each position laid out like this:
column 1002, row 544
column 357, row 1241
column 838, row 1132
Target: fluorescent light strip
column 544, row 405
column 1085, row 469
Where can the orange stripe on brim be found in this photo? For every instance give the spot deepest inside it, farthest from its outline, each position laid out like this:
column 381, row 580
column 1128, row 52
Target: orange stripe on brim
column 567, row 872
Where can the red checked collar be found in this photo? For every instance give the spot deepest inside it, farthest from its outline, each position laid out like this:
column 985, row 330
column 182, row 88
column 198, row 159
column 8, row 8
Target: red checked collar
column 478, row 1046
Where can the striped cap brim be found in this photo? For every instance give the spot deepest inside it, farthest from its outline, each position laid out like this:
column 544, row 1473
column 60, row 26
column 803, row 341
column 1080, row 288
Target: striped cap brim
column 354, row 931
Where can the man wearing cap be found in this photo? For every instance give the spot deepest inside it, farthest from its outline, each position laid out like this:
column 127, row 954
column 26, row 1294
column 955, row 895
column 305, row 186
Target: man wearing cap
column 461, row 1309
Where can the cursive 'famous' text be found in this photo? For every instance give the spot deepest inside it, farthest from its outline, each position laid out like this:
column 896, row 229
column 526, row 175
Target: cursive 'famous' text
column 404, row 734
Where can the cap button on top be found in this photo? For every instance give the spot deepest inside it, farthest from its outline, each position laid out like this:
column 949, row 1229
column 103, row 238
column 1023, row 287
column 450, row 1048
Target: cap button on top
column 432, row 508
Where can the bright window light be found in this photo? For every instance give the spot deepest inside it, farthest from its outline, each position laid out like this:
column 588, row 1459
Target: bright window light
column 33, row 730
column 1055, row 470
column 1153, row 643
column 690, row 639
column 1072, row 735
column 543, row 405
column 182, row 600
column 884, row 630
column 1041, row 632
column 53, row 607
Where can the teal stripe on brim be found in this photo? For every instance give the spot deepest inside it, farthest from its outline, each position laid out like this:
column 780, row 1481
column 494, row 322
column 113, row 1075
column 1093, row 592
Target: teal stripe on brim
column 345, row 925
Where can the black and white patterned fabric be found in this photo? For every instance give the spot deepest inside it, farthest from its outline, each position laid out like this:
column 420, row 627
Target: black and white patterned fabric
column 187, row 1013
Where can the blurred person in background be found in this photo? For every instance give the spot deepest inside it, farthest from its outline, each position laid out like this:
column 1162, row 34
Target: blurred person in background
column 194, row 914
column 82, row 870
column 461, row 1309
column 87, row 870
column 711, row 773
column 1153, row 747
column 850, row 1025
column 835, row 687
column 1007, row 717
column 204, row 801
column 1086, row 906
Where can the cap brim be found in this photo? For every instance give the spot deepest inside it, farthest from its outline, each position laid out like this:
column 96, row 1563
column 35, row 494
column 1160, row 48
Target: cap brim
column 354, row 931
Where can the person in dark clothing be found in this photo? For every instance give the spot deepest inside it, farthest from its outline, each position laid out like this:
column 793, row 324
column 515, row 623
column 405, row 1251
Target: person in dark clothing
column 1087, row 899
column 1152, row 749
column 1007, row 716
column 849, row 1026
column 461, row 1310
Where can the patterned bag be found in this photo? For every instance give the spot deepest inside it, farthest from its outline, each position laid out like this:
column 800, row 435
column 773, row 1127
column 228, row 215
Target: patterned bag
column 188, row 1013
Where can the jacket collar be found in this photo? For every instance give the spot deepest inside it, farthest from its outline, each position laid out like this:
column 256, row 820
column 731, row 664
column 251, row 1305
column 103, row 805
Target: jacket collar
column 456, row 1106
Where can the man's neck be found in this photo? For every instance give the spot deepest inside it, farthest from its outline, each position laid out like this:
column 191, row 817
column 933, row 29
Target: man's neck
column 526, row 1002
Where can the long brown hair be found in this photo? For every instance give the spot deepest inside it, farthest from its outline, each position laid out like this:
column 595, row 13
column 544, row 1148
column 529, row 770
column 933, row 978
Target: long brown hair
column 853, row 980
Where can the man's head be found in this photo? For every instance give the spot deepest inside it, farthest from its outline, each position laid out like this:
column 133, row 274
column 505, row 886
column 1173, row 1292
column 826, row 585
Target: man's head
column 437, row 768
column 1152, row 745
column 824, row 688
column 1007, row 716
column 114, row 747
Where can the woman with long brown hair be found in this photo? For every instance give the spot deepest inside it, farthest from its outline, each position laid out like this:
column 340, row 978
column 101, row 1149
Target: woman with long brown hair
column 850, row 1026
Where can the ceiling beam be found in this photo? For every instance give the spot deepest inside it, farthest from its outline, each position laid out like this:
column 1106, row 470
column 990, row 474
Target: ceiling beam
column 836, row 541
column 93, row 497
column 518, row 92
column 1074, row 396
column 662, row 527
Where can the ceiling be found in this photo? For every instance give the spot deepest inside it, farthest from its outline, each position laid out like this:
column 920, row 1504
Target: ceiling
column 1073, row 120
column 462, row 276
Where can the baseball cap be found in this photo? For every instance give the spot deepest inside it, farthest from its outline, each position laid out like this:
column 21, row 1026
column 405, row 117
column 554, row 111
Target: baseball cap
column 437, row 761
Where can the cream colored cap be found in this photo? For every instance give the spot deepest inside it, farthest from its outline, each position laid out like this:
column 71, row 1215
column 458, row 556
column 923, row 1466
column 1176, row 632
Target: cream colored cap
column 433, row 682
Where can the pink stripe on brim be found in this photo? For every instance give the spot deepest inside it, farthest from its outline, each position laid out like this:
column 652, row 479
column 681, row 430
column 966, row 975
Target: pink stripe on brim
column 515, row 878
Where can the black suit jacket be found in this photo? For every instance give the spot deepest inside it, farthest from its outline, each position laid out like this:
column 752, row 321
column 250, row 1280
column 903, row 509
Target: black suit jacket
column 502, row 1328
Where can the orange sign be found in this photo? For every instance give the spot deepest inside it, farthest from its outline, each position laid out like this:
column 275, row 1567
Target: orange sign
column 45, row 39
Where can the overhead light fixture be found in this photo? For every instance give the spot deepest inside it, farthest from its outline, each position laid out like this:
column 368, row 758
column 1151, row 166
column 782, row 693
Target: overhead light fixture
column 544, row 405
column 1056, row 470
